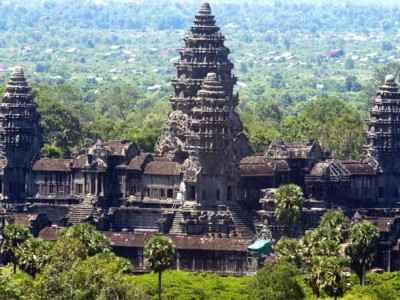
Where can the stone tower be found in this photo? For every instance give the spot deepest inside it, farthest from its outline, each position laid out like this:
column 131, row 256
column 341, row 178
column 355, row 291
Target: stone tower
column 210, row 172
column 20, row 135
column 204, row 52
column 382, row 146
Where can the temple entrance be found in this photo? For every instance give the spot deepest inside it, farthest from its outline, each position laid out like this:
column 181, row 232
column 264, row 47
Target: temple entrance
column 191, row 193
column 229, row 193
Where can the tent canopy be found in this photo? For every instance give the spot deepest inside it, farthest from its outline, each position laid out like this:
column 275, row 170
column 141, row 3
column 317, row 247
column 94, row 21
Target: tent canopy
column 262, row 247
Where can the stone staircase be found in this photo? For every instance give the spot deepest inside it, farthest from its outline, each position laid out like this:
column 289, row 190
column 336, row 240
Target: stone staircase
column 81, row 211
column 244, row 224
column 176, row 227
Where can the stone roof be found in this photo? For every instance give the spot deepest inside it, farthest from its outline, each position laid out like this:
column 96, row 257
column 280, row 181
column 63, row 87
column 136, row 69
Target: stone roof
column 53, row 164
column 49, row 233
column 256, row 170
column 357, row 168
column 163, row 168
column 22, row 219
column 118, row 148
column 281, row 165
column 256, row 165
column 129, row 239
column 280, row 150
column 132, row 240
column 80, row 161
column 384, row 224
column 138, row 162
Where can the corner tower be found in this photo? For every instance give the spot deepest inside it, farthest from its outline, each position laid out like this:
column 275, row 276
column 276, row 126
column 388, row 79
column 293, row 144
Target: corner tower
column 382, row 145
column 20, row 135
column 204, row 52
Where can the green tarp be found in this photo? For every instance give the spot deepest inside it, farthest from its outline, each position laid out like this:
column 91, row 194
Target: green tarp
column 262, row 247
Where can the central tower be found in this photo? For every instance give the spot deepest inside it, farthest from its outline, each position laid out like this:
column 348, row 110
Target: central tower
column 204, row 52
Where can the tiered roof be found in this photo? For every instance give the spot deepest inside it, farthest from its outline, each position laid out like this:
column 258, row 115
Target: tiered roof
column 18, row 115
column 383, row 134
column 204, row 52
column 209, row 126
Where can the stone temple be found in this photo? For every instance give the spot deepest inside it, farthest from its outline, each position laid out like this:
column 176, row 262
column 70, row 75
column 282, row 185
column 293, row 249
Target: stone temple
column 202, row 186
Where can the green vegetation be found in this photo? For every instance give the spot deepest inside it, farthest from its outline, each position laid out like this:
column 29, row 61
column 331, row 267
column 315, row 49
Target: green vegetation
column 184, row 286
column 324, row 254
column 80, row 266
column 276, row 282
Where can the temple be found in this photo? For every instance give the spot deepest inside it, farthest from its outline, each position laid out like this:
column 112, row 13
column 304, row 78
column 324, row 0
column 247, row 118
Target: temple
column 202, row 186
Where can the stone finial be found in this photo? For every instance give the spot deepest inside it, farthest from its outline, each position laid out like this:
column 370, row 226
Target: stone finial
column 18, row 71
column 390, row 79
column 205, row 8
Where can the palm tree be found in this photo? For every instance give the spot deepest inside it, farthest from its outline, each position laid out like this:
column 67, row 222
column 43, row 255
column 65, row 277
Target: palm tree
column 325, row 273
column 314, row 276
column 159, row 253
column 335, row 282
column 88, row 234
column 334, row 224
column 32, row 255
column 288, row 202
column 14, row 235
column 288, row 250
column 363, row 243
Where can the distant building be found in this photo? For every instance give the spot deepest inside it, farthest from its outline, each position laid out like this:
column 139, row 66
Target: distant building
column 335, row 52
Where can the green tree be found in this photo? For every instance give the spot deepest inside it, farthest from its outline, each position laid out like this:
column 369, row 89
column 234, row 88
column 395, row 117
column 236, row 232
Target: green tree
column 32, row 255
column 102, row 276
column 56, row 276
column 159, row 254
column 94, row 241
column 288, row 250
column 296, row 128
column 9, row 288
column 61, row 125
column 270, row 110
column 288, row 203
column 260, row 134
column 51, row 151
column 318, row 243
column 386, row 46
column 326, row 274
column 362, row 247
column 349, row 64
column 336, row 282
column 352, row 85
column 276, row 81
column 14, row 235
column 118, row 101
column 333, row 122
column 335, row 223
column 275, row 282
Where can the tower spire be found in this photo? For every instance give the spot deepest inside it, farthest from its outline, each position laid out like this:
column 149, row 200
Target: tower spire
column 204, row 52
column 20, row 135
